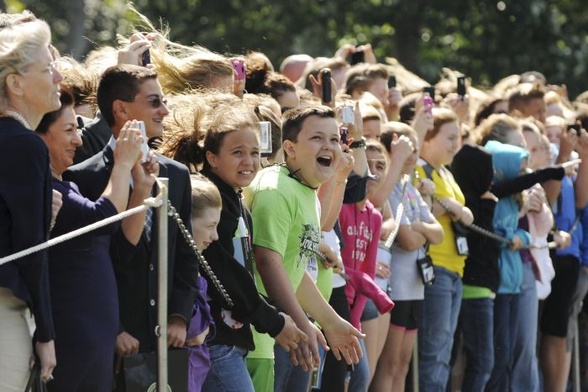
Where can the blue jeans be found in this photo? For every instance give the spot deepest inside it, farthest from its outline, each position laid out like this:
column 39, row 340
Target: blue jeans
column 228, row 371
column 506, row 308
column 440, row 313
column 525, row 367
column 360, row 376
column 288, row 378
column 477, row 316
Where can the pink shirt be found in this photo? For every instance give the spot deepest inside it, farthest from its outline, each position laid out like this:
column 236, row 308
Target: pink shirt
column 361, row 234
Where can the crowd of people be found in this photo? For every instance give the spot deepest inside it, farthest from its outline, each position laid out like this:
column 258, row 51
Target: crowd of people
column 341, row 205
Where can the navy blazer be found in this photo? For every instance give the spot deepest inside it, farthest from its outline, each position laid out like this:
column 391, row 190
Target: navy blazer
column 95, row 135
column 25, row 215
column 136, row 266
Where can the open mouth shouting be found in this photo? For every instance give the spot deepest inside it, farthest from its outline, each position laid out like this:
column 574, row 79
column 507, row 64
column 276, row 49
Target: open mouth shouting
column 325, row 160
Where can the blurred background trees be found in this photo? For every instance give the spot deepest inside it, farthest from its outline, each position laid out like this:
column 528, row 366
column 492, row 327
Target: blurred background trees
column 486, row 40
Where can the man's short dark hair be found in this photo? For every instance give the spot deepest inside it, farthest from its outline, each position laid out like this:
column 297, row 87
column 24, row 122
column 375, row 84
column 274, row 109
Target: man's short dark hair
column 293, row 119
column 120, row 82
column 522, row 94
column 360, row 77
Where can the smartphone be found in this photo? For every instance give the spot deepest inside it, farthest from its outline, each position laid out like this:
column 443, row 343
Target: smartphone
column 584, row 122
column 430, row 90
column 326, row 81
column 461, row 86
column 239, row 67
column 344, row 132
column 144, row 146
column 347, row 114
column 146, row 58
column 357, row 57
column 265, row 138
column 575, row 128
column 392, row 81
column 428, row 103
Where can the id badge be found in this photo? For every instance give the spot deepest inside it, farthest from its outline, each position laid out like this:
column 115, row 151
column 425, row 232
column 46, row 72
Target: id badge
column 462, row 245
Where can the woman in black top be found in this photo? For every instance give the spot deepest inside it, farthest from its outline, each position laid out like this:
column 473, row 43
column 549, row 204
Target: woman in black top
column 28, row 89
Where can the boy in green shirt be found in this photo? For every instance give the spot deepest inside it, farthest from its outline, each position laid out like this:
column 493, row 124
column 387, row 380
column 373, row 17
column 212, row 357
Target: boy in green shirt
column 286, row 235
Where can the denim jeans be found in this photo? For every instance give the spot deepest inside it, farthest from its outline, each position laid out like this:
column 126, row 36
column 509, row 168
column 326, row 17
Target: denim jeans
column 334, row 371
column 288, row 378
column 577, row 303
column 477, row 316
column 506, row 309
column 360, row 376
column 228, row 371
column 440, row 313
column 525, row 367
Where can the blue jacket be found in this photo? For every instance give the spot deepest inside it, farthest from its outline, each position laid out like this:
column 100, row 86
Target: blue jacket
column 507, row 161
column 565, row 218
column 584, row 240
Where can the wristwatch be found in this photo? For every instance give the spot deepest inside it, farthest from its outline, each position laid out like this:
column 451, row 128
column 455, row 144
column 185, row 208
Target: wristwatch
column 358, row 143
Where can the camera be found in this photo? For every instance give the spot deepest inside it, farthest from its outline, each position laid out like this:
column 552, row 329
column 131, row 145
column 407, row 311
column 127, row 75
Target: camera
column 392, row 81
column 326, row 81
column 461, row 86
column 239, row 67
column 265, row 138
column 144, row 146
column 575, row 128
column 347, row 114
column 146, row 58
column 344, row 132
column 357, row 57
column 428, row 103
column 430, row 90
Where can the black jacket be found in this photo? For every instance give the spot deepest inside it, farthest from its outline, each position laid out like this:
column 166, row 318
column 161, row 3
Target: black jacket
column 25, row 214
column 249, row 306
column 136, row 266
column 473, row 171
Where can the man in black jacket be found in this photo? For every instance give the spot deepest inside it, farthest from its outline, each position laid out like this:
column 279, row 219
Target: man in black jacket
column 126, row 93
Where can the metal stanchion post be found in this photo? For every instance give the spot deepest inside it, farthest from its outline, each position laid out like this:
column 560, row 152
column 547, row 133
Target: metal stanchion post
column 162, row 289
column 576, row 358
column 415, row 365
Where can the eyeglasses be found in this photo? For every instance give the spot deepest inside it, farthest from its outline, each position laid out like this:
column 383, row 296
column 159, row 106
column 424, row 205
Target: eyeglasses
column 50, row 69
column 154, row 102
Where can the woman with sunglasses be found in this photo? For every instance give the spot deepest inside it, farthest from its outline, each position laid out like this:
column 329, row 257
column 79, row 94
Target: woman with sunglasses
column 28, row 89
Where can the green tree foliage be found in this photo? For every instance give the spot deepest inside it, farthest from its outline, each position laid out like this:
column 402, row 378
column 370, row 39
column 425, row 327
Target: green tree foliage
column 78, row 26
column 486, row 40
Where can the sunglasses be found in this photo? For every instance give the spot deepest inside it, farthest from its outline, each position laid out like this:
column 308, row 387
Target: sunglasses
column 154, row 102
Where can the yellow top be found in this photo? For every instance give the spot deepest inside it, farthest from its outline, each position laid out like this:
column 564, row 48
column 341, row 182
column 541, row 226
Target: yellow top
column 445, row 254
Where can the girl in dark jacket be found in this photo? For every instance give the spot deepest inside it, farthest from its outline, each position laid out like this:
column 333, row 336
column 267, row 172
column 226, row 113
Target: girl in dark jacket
column 230, row 159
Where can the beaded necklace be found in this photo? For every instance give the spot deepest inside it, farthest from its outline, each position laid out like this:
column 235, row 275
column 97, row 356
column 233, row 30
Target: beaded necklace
column 18, row 117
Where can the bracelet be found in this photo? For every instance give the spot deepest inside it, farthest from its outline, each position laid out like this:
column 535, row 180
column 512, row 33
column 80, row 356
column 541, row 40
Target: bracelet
column 341, row 182
column 358, row 143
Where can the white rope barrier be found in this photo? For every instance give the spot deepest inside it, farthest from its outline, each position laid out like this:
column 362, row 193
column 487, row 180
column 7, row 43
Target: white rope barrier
column 148, row 203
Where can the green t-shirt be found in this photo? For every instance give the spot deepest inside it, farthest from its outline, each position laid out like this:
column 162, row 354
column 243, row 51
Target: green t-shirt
column 285, row 215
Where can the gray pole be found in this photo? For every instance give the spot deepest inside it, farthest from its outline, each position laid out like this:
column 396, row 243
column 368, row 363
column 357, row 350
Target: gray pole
column 162, row 289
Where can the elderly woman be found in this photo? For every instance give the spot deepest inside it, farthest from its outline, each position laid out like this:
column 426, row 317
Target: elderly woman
column 28, row 90
column 83, row 285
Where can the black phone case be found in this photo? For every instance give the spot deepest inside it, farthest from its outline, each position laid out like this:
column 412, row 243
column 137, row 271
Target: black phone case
column 326, row 80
